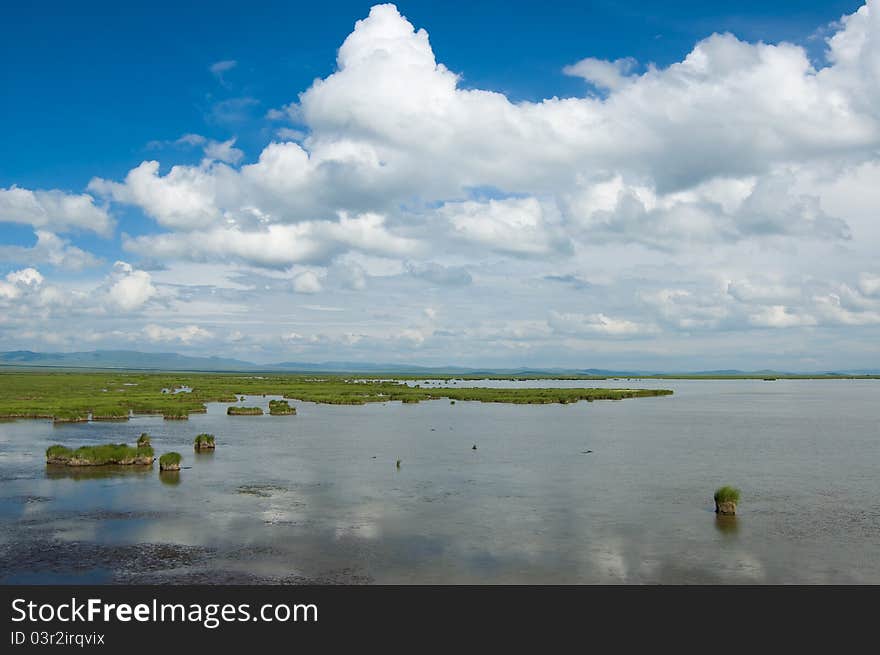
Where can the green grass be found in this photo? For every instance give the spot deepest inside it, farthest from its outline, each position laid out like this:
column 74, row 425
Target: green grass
column 73, row 396
column 143, row 440
column 58, row 451
column 244, row 411
column 169, row 459
column 71, row 416
column 727, row 494
column 110, row 414
column 280, row 408
column 204, row 441
column 99, row 455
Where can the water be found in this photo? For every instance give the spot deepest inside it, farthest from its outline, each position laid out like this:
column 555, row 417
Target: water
column 317, row 497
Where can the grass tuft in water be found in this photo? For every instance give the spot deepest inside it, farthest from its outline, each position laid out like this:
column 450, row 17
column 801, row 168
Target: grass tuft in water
column 727, row 494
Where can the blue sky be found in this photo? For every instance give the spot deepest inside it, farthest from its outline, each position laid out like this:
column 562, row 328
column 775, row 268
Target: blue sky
column 656, row 275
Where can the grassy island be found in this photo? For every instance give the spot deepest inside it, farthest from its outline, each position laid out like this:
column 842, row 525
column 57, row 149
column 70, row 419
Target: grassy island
column 107, row 454
column 170, row 462
column 74, row 396
column 204, row 442
column 281, row 408
column 244, row 411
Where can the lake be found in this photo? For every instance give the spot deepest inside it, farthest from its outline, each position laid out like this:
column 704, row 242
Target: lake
column 601, row 492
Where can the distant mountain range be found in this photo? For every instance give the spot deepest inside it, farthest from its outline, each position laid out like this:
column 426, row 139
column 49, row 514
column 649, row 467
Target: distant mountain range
column 130, row 359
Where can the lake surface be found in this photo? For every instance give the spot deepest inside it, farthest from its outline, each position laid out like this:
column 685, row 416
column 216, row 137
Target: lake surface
column 317, row 497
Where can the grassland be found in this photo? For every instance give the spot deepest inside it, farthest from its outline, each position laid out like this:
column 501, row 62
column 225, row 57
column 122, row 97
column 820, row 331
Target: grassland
column 74, row 396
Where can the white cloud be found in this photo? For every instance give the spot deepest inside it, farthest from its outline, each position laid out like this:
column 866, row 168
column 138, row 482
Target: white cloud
column 306, row 282
column 183, row 198
column 392, row 124
column 54, row 210
column 129, row 289
column 833, row 311
column 49, row 249
column 19, row 281
column 224, row 151
column 516, row 226
column 581, row 324
column 780, row 316
column 869, row 284
column 220, row 67
column 603, row 74
column 279, row 245
column 186, row 334
column 191, row 140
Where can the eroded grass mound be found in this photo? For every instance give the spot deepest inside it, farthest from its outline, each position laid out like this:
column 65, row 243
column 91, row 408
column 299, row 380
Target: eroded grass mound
column 204, row 442
column 170, row 461
column 244, row 411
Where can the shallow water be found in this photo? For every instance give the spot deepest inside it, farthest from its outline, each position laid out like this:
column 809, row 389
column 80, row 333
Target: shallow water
column 317, row 497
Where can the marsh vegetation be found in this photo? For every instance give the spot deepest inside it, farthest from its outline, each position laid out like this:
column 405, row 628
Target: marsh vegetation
column 244, row 411
column 74, row 396
column 170, row 461
column 726, row 499
column 204, row 442
column 281, row 408
column 106, row 454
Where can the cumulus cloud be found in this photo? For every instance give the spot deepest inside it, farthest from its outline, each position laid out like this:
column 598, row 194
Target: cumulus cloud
column 516, row 226
column 54, row 210
column 129, row 289
column 306, row 282
column 278, row 245
column 49, row 249
column 649, row 162
column 183, row 198
column 17, row 282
